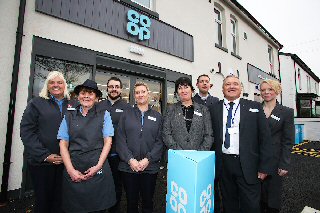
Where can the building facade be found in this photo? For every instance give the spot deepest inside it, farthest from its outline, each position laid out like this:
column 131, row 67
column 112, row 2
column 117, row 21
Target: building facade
column 300, row 86
column 143, row 40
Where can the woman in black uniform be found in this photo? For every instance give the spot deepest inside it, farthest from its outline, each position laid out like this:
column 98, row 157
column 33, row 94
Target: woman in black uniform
column 281, row 123
column 85, row 140
column 139, row 146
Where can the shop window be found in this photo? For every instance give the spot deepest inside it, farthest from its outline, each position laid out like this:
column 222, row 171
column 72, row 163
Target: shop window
column 102, row 78
column 74, row 73
column 155, row 88
column 218, row 20
column 171, row 96
column 305, row 108
column 234, row 35
column 144, row 3
column 271, row 61
column 299, row 79
column 308, row 84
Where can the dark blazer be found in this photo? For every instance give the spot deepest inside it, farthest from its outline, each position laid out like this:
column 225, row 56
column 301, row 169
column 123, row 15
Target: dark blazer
column 281, row 123
column 255, row 148
column 138, row 141
column 175, row 134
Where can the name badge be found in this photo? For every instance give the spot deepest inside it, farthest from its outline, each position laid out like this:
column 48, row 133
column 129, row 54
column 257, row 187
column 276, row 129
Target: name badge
column 71, row 108
column 152, row 118
column 275, row 117
column 119, row 110
column 253, row 110
column 198, row 113
column 233, row 130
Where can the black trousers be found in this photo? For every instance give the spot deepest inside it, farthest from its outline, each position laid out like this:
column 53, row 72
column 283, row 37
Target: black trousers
column 237, row 195
column 271, row 191
column 47, row 182
column 114, row 163
column 137, row 185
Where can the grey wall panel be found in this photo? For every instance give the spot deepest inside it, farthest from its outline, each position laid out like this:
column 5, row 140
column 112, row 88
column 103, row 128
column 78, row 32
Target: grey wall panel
column 178, row 43
column 74, row 13
column 82, row 14
column 56, row 7
column 66, row 8
column 109, row 16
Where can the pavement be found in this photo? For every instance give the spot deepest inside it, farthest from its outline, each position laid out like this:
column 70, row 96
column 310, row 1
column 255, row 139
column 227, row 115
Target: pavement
column 301, row 192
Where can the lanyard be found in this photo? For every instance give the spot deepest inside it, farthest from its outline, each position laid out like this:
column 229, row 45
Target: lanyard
column 234, row 115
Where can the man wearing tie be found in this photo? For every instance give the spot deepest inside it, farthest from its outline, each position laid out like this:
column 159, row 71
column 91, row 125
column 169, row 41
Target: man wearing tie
column 243, row 148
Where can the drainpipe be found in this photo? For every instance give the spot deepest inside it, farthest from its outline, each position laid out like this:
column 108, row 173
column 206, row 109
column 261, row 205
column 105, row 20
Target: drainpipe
column 12, row 104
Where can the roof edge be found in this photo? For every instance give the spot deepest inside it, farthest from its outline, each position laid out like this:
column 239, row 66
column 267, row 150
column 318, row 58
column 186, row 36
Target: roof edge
column 255, row 21
column 299, row 61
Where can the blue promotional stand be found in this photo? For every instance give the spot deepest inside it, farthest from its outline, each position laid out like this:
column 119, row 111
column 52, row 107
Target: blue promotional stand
column 190, row 183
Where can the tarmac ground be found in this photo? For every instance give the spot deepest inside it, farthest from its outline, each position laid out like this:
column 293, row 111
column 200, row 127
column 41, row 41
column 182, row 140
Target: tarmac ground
column 301, row 186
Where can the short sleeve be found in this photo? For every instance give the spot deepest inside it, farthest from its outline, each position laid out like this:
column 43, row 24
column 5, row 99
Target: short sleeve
column 63, row 130
column 108, row 130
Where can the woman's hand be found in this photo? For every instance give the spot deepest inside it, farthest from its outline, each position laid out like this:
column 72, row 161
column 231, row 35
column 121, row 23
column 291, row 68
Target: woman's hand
column 134, row 165
column 144, row 163
column 54, row 159
column 282, row 172
column 92, row 171
column 76, row 176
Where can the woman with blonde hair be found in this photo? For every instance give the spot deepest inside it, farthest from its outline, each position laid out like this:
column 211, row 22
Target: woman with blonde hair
column 38, row 130
column 281, row 124
column 139, row 145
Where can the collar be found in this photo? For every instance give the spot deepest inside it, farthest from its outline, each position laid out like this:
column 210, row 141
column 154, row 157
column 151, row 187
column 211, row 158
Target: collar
column 113, row 102
column 56, row 100
column 236, row 102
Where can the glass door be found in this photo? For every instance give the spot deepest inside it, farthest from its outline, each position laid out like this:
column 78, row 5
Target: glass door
column 102, row 79
column 128, row 82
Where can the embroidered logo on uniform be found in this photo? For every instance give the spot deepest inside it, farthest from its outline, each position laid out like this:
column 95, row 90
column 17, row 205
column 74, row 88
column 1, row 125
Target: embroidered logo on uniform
column 70, row 108
column 198, row 113
column 275, row 117
column 253, row 110
column 119, row 110
column 152, row 118
column 99, row 172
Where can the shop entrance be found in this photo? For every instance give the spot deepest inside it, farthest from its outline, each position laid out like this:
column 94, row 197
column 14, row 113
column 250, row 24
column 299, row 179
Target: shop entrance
column 128, row 81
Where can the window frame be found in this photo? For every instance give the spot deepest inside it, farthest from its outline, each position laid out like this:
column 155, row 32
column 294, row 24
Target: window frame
column 219, row 22
column 271, row 59
column 150, row 2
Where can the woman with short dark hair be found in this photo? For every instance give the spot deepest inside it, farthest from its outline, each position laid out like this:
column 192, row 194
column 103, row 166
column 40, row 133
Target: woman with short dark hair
column 187, row 124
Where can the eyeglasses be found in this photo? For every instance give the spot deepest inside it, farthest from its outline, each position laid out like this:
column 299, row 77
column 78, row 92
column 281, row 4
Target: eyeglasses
column 113, row 87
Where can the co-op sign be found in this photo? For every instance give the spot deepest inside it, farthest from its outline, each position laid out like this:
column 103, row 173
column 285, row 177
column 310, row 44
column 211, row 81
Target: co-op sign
column 138, row 25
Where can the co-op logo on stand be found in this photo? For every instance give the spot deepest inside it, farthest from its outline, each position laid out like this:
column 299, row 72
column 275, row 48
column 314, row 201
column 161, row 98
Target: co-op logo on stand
column 138, row 25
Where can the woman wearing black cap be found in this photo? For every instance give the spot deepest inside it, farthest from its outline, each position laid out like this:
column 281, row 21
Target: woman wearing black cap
column 187, row 125
column 85, row 139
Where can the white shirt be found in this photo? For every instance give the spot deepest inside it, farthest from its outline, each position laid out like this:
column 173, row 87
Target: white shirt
column 234, row 129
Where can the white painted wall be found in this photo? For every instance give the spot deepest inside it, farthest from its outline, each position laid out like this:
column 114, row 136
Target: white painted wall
column 311, row 128
column 8, row 26
column 196, row 18
column 288, row 82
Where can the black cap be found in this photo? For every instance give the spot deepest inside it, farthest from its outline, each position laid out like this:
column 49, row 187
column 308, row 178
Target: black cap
column 183, row 81
column 90, row 85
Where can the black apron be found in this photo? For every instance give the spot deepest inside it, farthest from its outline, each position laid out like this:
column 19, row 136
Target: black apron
column 85, row 146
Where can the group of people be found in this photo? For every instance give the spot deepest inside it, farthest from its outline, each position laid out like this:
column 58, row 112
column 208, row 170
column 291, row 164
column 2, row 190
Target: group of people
column 81, row 153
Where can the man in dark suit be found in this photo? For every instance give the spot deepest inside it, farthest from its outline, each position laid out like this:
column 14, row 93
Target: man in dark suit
column 243, row 148
column 204, row 97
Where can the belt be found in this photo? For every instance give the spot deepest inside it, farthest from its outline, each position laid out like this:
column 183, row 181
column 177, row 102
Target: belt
column 231, row 155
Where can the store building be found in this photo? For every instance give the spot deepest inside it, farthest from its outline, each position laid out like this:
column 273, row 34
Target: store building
column 301, row 92
column 143, row 40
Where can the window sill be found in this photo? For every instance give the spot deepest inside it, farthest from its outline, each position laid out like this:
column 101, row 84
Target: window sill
column 220, row 47
column 139, row 7
column 235, row 55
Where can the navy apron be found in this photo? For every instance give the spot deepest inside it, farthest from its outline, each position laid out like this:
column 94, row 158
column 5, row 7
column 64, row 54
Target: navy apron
column 85, row 146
